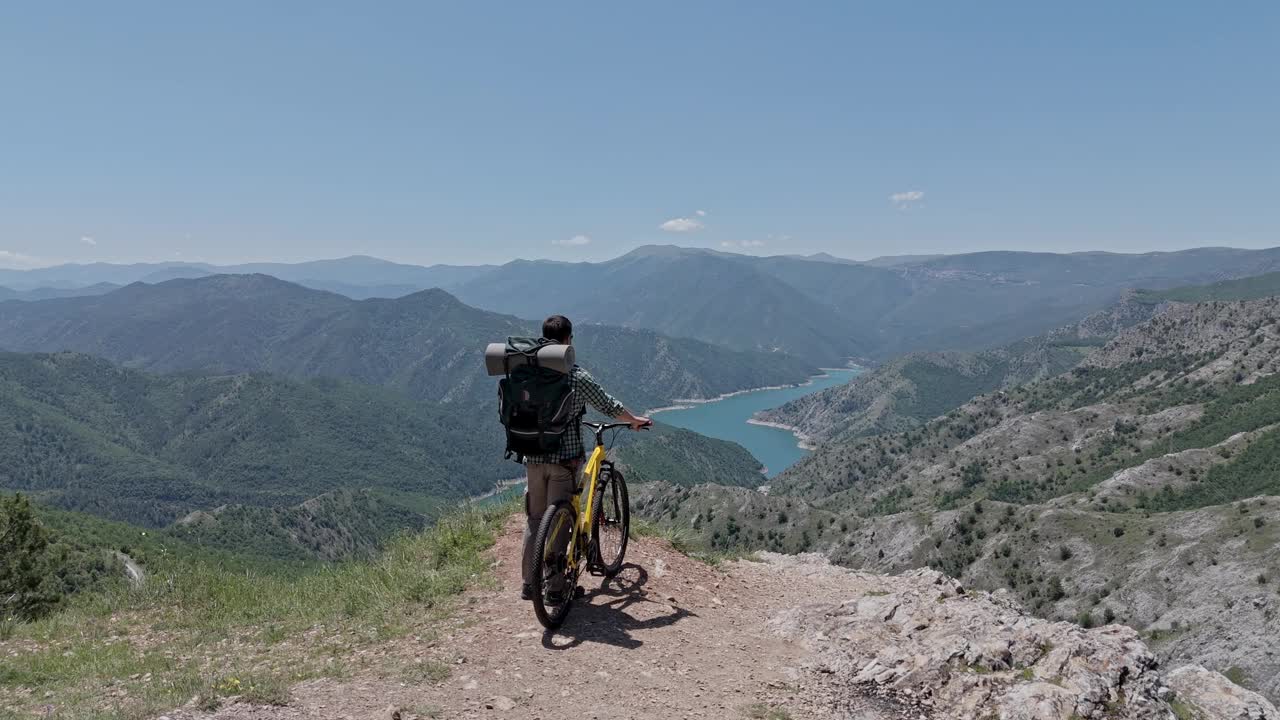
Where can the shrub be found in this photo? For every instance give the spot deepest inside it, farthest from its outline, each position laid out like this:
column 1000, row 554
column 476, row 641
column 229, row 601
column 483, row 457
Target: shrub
column 26, row 565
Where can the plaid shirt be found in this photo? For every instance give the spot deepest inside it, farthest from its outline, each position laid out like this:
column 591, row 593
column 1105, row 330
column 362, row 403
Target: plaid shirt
column 585, row 390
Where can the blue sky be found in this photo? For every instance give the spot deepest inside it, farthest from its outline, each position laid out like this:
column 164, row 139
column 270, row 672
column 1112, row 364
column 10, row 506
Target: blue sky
column 479, row 132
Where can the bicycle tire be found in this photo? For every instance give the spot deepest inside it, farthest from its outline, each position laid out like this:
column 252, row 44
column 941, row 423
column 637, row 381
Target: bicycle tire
column 552, row 616
column 613, row 508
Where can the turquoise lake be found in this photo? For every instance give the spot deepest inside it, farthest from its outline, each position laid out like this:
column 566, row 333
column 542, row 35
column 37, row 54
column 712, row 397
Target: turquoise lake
column 727, row 420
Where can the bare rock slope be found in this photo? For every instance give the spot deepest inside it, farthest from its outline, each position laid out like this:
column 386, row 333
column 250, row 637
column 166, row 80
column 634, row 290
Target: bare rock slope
column 920, row 641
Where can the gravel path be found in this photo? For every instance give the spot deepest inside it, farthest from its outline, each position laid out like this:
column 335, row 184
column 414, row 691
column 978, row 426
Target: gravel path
column 670, row 637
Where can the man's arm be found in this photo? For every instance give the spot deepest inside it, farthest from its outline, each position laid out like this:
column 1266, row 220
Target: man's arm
column 606, row 403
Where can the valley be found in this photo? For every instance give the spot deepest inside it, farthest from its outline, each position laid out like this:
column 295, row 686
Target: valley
column 942, row 342
column 1115, row 467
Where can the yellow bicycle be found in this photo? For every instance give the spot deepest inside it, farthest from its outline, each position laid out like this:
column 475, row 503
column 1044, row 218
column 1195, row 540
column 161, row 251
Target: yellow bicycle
column 571, row 537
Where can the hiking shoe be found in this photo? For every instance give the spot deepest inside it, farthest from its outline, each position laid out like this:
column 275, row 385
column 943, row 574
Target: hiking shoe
column 526, row 592
column 555, row 597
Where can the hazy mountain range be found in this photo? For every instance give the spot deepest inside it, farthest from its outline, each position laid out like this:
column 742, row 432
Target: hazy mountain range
column 427, row 345
column 823, row 309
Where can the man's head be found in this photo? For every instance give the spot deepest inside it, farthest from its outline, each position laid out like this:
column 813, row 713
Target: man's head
column 558, row 328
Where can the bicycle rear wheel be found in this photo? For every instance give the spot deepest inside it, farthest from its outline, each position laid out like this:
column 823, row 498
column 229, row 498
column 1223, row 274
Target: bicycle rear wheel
column 553, row 580
column 611, row 526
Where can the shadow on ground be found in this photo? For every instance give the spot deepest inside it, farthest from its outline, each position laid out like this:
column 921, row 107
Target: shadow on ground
column 611, row 613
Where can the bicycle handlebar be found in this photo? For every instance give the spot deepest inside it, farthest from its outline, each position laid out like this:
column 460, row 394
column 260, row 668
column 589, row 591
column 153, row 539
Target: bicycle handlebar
column 599, row 427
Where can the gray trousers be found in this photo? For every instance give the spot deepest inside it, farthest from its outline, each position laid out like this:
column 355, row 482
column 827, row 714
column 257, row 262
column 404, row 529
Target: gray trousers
column 548, row 484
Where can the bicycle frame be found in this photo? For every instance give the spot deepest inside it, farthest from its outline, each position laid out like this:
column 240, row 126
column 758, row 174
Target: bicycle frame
column 582, row 528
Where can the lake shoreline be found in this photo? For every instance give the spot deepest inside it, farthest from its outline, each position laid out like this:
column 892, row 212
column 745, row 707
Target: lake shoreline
column 803, row 441
column 734, row 417
column 689, row 403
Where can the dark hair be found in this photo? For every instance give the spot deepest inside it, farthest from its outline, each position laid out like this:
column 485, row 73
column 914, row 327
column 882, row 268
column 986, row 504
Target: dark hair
column 558, row 328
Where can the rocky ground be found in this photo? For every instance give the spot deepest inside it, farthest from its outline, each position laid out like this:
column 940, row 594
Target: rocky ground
column 784, row 637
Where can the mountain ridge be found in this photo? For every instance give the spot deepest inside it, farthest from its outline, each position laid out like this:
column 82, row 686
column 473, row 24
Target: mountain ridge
column 427, row 344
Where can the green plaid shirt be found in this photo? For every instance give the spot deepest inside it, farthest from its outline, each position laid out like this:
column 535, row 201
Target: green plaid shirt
column 585, row 390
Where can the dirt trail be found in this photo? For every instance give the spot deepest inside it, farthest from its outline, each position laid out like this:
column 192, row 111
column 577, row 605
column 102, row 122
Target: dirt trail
column 670, row 637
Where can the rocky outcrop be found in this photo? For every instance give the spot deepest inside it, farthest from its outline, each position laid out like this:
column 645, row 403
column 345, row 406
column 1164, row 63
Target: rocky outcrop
column 920, row 641
column 1215, row 696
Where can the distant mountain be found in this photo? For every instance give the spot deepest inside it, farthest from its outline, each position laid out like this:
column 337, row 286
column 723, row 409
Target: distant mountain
column 47, row 293
column 1248, row 288
column 896, row 260
column 911, row 390
column 427, row 345
column 818, row 307
column 357, row 276
column 823, row 257
column 715, row 297
column 827, row 312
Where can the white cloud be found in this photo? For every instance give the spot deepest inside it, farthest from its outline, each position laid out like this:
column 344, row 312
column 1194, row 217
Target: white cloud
column 700, row 213
column 904, row 200
column 742, row 244
column 18, row 261
column 88, row 240
column 681, row 225
column 575, row 240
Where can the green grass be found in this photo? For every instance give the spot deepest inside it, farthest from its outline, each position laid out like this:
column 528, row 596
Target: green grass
column 1182, row 711
column 1237, row 675
column 687, row 542
column 157, row 643
column 682, row 540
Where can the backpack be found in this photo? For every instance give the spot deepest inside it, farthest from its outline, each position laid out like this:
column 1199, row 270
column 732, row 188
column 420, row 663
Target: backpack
column 535, row 402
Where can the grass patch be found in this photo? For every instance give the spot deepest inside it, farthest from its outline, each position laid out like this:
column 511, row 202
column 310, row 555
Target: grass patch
column 684, row 541
column 1237, row 676
column 1182, row 711
column 128, row 653
column 687, row 542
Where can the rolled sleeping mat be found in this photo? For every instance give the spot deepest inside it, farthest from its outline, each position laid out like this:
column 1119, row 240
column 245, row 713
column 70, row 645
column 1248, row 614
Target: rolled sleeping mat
column 557, row 357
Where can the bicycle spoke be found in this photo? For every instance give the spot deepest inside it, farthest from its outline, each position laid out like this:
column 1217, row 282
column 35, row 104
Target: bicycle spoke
column 609, row 526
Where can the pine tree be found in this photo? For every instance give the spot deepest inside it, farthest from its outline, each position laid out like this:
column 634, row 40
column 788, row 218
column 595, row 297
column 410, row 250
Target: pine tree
column 26, row 590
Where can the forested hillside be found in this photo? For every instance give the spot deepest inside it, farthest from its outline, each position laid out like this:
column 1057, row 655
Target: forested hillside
column 327, row 468
column 427, row 346
column 83, row 434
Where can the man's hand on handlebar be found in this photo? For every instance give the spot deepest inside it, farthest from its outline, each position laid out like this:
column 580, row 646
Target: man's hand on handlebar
column 638, row 422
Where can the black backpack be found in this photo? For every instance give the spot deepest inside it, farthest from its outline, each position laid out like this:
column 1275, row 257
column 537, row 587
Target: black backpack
column 535, row 403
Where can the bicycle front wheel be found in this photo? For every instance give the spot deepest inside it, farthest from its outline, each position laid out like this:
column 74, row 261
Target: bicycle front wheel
column 611, row 526
column 554, row 581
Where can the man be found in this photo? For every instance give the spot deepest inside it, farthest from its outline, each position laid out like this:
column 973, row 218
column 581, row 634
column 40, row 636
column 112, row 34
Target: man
column 551, row 477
